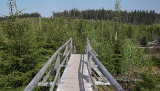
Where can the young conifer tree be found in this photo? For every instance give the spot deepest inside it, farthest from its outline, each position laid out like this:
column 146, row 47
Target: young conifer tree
column 117, row 56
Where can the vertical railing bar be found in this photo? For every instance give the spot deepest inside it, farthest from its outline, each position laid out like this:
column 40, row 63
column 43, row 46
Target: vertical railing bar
column 58, row 72
column 57, row 63
column 46, row 76
column 66, row 50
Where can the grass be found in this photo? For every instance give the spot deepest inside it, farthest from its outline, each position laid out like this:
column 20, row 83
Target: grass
column 12, row 89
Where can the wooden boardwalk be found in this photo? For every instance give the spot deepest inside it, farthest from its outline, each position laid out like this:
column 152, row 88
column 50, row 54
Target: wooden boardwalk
column 76, row 76
column 77, row 71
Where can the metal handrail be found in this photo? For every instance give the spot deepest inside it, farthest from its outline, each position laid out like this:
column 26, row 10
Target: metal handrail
column 40, row 74
column 103, row 70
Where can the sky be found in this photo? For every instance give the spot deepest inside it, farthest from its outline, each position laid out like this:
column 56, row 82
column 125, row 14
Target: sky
column 46, row 7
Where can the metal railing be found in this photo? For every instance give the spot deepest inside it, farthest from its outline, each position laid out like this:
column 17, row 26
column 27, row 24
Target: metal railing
column 54, row 64
column 92, row 56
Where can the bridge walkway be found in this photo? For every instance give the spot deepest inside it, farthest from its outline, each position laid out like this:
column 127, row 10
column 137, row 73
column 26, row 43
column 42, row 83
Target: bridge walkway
column 76, row 75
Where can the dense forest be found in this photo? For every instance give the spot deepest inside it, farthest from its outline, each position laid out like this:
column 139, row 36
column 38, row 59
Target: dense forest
column 23, row 15
column 133, row 17
column 27, row 43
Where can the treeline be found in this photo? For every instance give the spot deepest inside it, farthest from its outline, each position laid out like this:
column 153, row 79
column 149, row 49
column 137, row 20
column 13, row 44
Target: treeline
column 24, row 15
column 134, row 17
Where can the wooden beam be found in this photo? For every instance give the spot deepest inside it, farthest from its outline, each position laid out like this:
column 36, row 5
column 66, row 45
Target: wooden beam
column 99, row 83
column 46, row 84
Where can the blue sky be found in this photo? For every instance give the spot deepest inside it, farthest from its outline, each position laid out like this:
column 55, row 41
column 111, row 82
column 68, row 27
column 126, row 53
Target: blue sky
column 46, row 7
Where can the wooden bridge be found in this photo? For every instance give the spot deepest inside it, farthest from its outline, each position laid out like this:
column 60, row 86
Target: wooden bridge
column 66, row 71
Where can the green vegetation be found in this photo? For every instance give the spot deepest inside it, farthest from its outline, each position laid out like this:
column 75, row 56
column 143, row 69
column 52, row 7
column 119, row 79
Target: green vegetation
column 26, row 44
column 12, row 89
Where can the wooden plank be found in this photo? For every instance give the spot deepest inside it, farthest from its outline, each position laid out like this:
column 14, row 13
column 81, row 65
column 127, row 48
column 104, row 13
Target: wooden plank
column 69, row 80
column 72, row 75
column 102, row 83
column 47, row 84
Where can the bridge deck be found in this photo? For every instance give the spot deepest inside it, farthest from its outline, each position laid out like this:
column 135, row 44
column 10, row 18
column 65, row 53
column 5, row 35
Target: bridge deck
column 76, row 76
